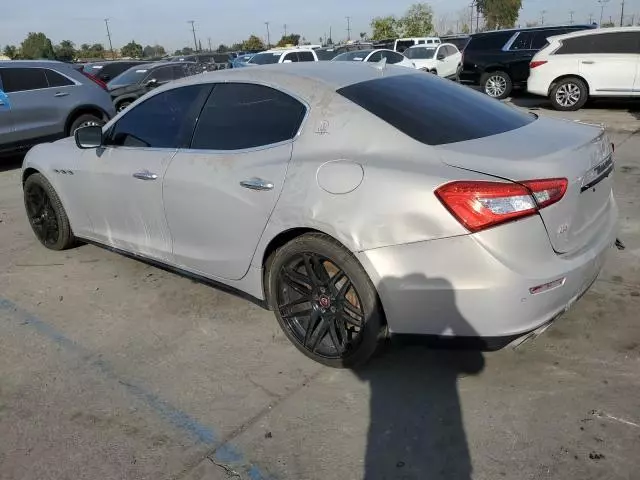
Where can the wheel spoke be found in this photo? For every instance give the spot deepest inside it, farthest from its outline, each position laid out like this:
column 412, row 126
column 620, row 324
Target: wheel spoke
column 320, row 270
column 342, row 330
column 323, row 329
column 333, row 335
column 310, row 270
column 337, row 278
column 297, row 281
column 352, row 312
column 311, row 326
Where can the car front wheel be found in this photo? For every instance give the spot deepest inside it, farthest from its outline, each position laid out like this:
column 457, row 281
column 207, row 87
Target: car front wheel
column 569, row 94
column 497, row 85
column 86, row 120
column 324, row 301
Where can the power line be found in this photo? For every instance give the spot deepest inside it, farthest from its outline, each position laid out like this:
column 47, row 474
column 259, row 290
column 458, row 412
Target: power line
column 348, row 28
column 106, row 22
column 193, row 29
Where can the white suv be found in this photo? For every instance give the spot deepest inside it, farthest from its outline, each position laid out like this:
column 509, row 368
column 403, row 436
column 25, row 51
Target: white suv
column 444, row 60
column 589, row 63
column 286, row 55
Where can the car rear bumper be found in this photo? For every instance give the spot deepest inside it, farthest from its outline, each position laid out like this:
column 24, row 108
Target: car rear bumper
column 479, row 285
column 538, row 85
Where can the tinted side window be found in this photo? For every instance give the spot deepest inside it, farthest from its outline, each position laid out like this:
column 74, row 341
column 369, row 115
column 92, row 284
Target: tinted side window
column 243, row 115
column 305, row 57
column 615, row 42
column 540, row 37
column 57, row 80
column 522, row 41
column 23, row 79
column 375, row 57
column 291, row 56
column 489, row 41
column 165, row 120
column 392, row 57
column 432, row 111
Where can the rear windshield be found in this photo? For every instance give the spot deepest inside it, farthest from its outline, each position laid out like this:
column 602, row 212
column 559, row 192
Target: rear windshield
column 420, row 53
column 356, row 55
column 266, row 58
column 435, row 111
column 129, row 77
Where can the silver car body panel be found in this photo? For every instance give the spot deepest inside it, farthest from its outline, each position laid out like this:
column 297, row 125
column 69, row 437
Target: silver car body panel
column 352, row 176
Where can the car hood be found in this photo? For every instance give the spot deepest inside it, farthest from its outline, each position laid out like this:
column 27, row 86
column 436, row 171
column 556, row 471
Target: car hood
column 117, row 90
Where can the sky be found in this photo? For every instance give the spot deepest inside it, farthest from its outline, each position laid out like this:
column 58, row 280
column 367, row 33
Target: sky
column 228, row 21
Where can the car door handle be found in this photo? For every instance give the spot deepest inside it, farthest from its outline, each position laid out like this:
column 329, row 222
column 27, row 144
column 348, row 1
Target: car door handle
column 588, row 62
column 145, row 175
column 61, row 94
column 257, row 184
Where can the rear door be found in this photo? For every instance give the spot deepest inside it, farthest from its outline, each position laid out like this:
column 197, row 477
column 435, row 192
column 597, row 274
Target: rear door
column 6, row 126
column 305, row 56
column 220, row 192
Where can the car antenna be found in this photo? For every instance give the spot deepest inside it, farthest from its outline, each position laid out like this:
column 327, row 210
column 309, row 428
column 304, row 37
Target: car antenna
column 381, row 65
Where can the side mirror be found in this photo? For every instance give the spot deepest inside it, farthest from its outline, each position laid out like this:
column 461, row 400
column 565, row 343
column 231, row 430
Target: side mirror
column 287, row 61
column 88, row 137
column 440, row 56
column 151, row 83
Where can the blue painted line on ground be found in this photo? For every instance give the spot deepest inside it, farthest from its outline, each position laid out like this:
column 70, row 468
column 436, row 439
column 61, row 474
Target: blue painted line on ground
column 225, row 453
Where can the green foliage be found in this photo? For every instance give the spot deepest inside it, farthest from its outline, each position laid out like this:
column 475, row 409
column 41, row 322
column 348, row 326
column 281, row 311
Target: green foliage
column 37, row 46
column 10, row 51
column 65, row 51
column 607, row 25
column 132, row 49
column 363, row 35
column 418, row 21
column 151, row 51
column 465, row 29
column 383, row 27
column 500, row 13
column 291, row 39
column 91, row 51
column 222, row 48
column 253, row 43
column 236, row 47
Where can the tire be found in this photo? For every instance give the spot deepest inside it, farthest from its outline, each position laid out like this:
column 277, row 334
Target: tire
column 497, row 85
column 46, row 215
column 84, row 121
column 569, row 94
column 337, row 288
column 122, row 105
column 434, row 72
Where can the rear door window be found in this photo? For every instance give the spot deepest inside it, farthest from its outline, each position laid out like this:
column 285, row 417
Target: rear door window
column 306, row 57
column 23, row 79
column 522, row 41
column 162, row 74
column 242, row 115
column 375, row 56
column 434, row 112
column 489, row 41
column 392, row 57
column 57, row 80
column 540, row 37
column 290, row 56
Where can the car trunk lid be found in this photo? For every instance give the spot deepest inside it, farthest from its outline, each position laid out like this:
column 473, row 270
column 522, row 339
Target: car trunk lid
column 546, row 149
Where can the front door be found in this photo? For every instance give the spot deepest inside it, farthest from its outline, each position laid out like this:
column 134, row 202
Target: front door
column 220, row 192
column 6, row 126
column 123, row 179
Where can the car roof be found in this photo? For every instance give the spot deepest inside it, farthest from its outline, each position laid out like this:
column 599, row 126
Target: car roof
column 418, row 38
column 597, row 31
column 287, row 50
column 545, row 27
column 35, row 63
column 302, row 79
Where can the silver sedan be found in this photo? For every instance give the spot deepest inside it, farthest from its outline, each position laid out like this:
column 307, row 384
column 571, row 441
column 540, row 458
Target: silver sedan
column 356, row 201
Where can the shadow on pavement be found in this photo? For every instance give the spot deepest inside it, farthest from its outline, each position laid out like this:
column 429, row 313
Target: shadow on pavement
column 416, row 429
column 11, row 162
column 531, row 102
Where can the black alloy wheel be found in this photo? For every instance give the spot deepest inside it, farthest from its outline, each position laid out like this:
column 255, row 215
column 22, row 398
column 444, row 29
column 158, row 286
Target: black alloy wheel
column 324, row 302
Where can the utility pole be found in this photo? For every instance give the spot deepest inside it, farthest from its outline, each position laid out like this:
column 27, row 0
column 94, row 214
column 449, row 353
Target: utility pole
column 542, row 17
column 571, row 12
column 590, row 18
column 471, row 18
column 348, row 28
column 330, row 36
column 622, row 13
column 210, row 49
column 602, row 4
column 268, row 35
column 106, row 22
column 193, row 29
column 285, row 29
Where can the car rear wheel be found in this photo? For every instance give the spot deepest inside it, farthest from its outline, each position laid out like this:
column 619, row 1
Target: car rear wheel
column 86, row 120
column 123, row 105
column 569, row 94
column 46, row 214
column 496, row 84
column 324, row 301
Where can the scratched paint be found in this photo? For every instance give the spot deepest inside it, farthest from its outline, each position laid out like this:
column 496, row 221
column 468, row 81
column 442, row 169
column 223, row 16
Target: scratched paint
column 224, row 453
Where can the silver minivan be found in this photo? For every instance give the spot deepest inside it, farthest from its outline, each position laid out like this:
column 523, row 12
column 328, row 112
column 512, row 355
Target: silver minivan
column 46, row 100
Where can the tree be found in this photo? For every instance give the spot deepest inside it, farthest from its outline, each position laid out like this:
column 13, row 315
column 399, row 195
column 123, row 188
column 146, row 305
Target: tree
column 222, row 48
column 10, row 51
column 500, row 13
column 607, row 24
column 187, row 51
column 253, row 43
column 532, row 24
column 65, row 51
column 363, row 35
column 383, row 27
column 153, row 51
column 132, row 49
column 418, row 21
column 465, row 29
column 96, row 50
column 36, row 46
column 291, row 39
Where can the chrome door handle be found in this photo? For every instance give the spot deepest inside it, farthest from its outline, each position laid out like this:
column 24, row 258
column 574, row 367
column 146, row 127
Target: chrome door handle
column 145, row 175
column 257, row 184
column 588, row 62
column 61, row 94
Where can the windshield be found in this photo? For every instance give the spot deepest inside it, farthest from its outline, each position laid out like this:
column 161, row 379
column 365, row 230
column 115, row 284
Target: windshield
column 265, row 58
column 326, row 53
column 130, row 77
column 420, row 53
column 355, row 56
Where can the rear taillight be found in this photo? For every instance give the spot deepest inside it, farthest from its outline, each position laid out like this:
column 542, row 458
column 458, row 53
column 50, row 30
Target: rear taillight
column 95, row 80
column 481, row 205
column 537, row 63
